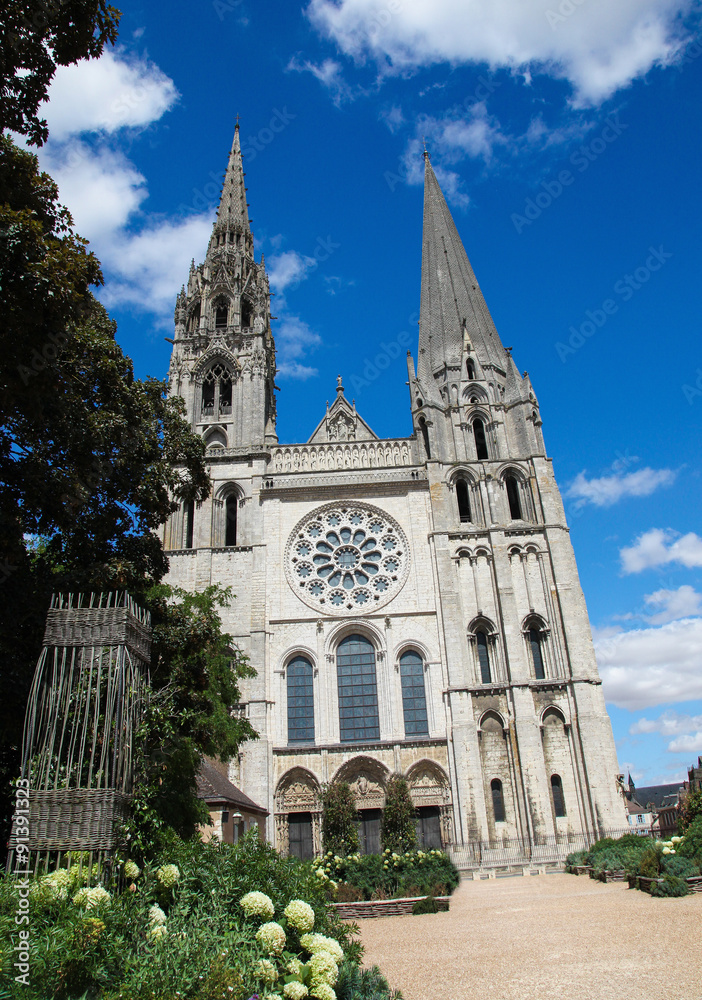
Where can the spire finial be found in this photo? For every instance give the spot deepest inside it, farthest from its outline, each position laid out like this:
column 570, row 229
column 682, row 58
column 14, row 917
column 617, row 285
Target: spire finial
column 237, row 122
column 339, row 386
column 426, row 151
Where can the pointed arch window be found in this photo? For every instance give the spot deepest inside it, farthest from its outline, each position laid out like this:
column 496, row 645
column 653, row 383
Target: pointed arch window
column 425, row 436
column 217, row 391
column 221, row 314
column 535, row 640
column 470, row 369
column 513, row 498
column 481, row 641
column 414, row 702
column 481, row 448
column 557, row 795
column 300, row 700
column 246, row 313
column 463, row 500
column 188, row 524
column 231, row 505
column 498, row 800
column 358, row 690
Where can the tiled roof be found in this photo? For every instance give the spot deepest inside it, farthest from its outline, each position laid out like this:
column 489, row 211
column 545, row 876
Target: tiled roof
column 213, row 787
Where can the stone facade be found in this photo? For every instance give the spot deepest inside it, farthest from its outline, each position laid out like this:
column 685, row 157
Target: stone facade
column 448, row 549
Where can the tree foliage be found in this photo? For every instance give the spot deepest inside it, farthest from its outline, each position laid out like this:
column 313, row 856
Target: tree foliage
column 690, row 809
column 339, row 819
column 36, row 36
column 398, row 831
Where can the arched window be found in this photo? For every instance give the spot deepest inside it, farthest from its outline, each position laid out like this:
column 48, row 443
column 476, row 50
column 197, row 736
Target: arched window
column 225, row 393
column 557, row 795
column 208, row 398
column 358, row 691
column 425, row 436
column 463, row 500
column 414, row 702
column 245, row 313
column 221, row 314
column 188, row 524
column 300, row 701
column 535, row 639
column 217, row 391
column 481, row 640
column 470, row 368
column 194, row 319
column 515, row 506
column 230, row 509
column 481, row 448
column 498, row 800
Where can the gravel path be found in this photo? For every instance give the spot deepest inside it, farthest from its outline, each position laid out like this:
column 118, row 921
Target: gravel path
column 550, row 937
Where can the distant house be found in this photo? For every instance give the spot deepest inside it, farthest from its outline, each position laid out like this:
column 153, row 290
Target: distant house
column 232, row 813
column 653, row 809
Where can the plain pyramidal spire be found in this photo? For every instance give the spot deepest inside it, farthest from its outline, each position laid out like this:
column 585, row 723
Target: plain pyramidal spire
column 452, row 304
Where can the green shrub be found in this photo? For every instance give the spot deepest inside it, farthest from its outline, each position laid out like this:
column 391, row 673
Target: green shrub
column 339, row 819
column 363, row 984
column 575, row 859
column 691, row 846
column 416, row 873
column 670, row 886
column 398, row 830
column 682, row 867
column 690, row 810
column 426, row 905
column 650, row 863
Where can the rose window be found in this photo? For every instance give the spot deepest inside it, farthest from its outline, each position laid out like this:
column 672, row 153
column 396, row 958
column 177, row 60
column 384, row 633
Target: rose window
column 347, row 558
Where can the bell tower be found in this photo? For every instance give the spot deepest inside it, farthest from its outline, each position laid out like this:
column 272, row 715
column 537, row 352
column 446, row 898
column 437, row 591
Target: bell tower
column 223, row 362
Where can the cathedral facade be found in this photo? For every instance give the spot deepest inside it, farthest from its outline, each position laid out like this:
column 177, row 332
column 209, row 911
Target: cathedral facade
column 411, row 605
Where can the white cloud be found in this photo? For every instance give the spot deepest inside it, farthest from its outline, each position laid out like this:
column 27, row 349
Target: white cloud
column 684, row 602
column 294, row 339
column 106, row 95
column 670, row 723
column 690, row 744
column 652, row 666
column 329, row 74
column 658, row 547
column 602, row 47
column 608, row 490
column 288, row 269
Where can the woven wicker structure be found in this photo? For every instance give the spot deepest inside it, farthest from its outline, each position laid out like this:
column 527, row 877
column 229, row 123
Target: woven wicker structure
column 85, row 704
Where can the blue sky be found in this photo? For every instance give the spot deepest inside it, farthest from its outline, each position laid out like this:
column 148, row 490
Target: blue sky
column 566, row 136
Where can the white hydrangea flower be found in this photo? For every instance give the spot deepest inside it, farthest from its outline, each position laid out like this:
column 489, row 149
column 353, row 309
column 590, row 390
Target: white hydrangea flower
column 132, row 870
column 323, row 968
column 294, row 966
column 314, row 943
column 272, row 996
column 92, row 899
column 156, row 915
column 272, row 937
column 168, row 875
column 157, row 932
column 295, row 991
column 323, row 991
column 300, row 915
column 257, row 904
column 266, row 971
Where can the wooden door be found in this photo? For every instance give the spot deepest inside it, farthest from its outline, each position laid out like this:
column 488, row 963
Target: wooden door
column 300, row 836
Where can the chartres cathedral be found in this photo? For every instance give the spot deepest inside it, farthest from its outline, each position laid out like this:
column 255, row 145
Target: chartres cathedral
column 411, row 605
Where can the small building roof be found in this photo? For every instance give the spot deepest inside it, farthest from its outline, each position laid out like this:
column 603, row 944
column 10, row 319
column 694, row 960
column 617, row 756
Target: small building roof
column 658, row 796
column 215, row 789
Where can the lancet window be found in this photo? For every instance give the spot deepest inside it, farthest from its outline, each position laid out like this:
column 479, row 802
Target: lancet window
column 217, row 391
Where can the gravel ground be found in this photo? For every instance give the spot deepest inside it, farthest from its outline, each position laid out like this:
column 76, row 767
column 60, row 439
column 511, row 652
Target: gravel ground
column 546, row 937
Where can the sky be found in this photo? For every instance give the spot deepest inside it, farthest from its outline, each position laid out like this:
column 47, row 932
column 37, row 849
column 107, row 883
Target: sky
column 566, row 135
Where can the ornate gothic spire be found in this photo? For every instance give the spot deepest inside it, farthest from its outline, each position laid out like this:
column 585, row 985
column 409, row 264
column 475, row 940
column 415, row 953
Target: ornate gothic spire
column 453, row 309
column 232, row 214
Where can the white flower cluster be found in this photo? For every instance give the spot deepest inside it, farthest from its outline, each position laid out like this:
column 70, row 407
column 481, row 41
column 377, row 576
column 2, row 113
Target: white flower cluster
column 92, row 899
column 132, row 870
column 257, row 904
column 272, row 937
column 157, row 924
column 295, row 991
column 316, row 943
column 300, row 915
column 323, row 969
column 54, row 886
column 266, row 971
column 168, row 875
column 323, row 991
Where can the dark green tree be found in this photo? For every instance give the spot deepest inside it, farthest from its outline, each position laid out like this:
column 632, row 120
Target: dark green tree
column 339, row 819
column 36, row 36
column 690, row 809
column 398, row 830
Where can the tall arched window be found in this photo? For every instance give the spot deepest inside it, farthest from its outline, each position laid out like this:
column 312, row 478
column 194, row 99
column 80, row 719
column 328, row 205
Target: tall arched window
column 300, row 701
column 358, row 691
column 535, row 639
column 481, row 448
column 188, row 524
column 245, row 313
column 414, row 702
column 470, row 368
column 498, row 800
column 231, row 505
column 515, row 506
column 217, row 391
column 463, row 500
column 221, row 314
column 557, row 794
column 483, row 658
column 425, row 436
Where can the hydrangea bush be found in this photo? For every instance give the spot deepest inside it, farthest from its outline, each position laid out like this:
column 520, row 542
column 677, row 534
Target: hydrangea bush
column 388, row 875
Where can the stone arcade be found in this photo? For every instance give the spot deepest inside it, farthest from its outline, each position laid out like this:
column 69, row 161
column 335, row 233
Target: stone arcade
column 410, row 605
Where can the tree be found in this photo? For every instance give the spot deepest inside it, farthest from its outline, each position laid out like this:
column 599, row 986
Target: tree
column 690, row 808
column 339, row 819
column 195, row 670
column 398, row 831
column 36, row 36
